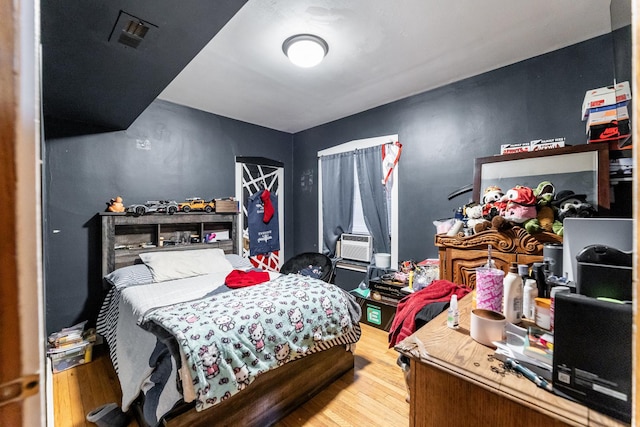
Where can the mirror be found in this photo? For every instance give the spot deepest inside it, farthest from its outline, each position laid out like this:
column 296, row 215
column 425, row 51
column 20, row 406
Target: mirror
column 583, row 169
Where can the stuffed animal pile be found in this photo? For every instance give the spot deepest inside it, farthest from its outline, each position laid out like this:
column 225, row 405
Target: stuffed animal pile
column 536, row 210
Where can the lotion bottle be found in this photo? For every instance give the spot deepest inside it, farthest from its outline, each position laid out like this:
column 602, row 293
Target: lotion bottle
column 453, row 315
column 512, row 302
column 529, row 299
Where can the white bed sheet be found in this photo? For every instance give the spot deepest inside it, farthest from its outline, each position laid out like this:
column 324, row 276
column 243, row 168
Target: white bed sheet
column 134, row 344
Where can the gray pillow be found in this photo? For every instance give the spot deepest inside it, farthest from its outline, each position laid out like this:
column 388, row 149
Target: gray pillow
column 238, row 262
column 138, row 274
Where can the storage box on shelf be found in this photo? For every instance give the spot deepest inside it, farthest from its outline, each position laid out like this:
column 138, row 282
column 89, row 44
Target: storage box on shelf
column 226, row 206
column 124, row 236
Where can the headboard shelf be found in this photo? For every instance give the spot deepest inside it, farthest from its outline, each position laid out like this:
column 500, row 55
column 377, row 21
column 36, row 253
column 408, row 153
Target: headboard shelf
column 124, row 236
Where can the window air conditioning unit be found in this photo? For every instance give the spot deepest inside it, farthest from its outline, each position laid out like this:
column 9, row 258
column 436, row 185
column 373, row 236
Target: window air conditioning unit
column 358, row 247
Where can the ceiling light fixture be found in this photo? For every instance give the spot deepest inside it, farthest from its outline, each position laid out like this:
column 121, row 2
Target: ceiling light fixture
column 305, row 50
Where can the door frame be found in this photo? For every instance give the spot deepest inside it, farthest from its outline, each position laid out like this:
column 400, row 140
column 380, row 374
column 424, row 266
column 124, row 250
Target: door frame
column 21, row 292
column 275, row 260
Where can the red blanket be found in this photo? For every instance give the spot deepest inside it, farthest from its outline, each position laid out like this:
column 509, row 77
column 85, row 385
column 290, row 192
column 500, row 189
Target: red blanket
column 404, row 324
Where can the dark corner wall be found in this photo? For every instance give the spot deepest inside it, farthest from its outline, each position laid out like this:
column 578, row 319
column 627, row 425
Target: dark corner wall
column 172, row 152
column 444, row 130
column 169, row 152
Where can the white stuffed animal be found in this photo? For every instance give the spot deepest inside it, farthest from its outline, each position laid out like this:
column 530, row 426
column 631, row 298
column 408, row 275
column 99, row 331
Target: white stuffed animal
column 474, row 215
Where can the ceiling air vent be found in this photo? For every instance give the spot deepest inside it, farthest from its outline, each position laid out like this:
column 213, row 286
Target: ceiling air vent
column 130, row 30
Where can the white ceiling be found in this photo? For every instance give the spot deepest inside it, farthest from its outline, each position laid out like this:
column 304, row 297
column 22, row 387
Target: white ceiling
column 379, row 51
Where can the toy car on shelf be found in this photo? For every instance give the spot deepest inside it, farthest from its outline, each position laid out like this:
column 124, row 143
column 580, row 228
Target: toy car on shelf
column 196, row 204
column 165, row 206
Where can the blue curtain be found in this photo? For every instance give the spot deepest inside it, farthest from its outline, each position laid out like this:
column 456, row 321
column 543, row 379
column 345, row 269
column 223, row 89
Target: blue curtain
column 337, row 199
column 373, row 195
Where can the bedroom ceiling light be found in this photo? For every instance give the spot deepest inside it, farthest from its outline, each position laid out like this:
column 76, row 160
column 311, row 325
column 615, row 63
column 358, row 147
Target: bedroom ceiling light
column 305, row 50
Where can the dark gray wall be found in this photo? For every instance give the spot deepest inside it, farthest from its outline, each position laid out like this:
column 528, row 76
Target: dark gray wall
column 444, row 130
column 191, row 153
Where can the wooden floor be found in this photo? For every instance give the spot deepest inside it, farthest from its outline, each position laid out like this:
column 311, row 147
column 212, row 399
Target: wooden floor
column 372, row 394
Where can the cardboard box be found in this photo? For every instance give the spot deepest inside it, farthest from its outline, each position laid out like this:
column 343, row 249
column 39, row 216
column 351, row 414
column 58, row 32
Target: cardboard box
column 614, row 131
column 546, row 144
column 623, row 92
column 535, row 145
column 598, row 98
column 522, row 147
column 226, row 206
column 607, row 115
column 604, row 96
column 378, row 314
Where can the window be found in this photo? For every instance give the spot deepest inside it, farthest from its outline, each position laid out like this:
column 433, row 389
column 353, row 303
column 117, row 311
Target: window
column 358, row 219
column 359, row 225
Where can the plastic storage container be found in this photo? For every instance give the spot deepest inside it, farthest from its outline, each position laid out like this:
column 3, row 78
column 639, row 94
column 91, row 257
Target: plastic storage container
column 543, row 313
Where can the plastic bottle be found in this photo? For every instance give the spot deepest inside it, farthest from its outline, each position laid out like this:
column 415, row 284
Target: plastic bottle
column 523, row 271
column 453, row 315
column 512, row 302
column 540, row 274
column 529, row 294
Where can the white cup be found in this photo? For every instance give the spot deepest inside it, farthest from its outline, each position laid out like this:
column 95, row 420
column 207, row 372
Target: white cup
column 487, row 326
column 383, row 260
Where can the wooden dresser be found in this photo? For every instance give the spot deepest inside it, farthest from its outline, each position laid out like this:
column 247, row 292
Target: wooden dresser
column 459, row 256
column 454, row 381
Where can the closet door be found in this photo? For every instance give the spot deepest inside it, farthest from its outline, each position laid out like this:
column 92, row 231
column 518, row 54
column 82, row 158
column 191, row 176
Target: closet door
column 254, row 174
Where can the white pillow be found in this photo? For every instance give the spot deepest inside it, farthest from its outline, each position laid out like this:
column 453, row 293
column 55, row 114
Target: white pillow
column 170, row 265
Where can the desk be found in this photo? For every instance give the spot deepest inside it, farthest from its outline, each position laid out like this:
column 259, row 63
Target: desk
column 451, row 383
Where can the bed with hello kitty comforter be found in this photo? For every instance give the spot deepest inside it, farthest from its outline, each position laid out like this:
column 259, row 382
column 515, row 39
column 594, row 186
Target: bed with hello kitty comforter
column 208, row 343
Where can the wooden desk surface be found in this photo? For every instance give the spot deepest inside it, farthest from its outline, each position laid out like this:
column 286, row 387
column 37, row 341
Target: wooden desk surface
column 456, row 353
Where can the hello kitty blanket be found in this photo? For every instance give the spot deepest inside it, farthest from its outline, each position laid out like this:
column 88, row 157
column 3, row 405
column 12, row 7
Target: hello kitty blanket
column 227, row 340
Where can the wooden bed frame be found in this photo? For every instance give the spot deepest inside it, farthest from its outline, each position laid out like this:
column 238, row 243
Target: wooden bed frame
column 271, row 397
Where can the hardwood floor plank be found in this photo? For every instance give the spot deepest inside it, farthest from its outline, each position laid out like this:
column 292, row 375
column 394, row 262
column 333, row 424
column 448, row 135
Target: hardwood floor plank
column 61, row 391
column 371, row 394
column 75, row 407
column 92, row 394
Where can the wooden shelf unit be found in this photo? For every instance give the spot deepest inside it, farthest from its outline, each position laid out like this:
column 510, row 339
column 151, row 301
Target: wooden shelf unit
column 119, row 229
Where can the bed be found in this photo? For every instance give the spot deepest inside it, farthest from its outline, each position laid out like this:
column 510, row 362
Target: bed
column 191, row 350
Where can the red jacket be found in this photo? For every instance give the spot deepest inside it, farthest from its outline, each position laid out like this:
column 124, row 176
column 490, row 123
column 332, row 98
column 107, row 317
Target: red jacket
column 404, row 324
